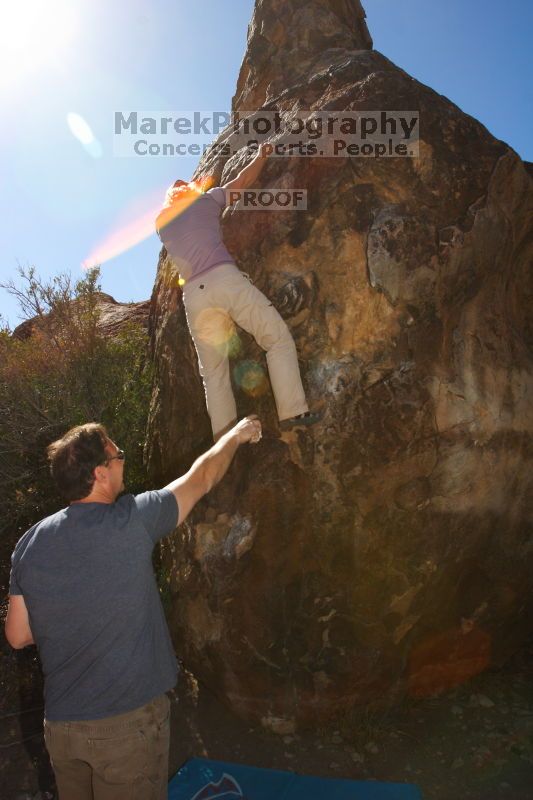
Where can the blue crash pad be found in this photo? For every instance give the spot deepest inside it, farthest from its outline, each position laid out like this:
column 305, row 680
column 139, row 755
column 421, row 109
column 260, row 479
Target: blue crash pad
column 203, row 779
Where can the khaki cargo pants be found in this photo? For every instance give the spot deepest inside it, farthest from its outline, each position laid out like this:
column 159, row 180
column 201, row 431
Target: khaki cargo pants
column 124, row 757
column 213, row 302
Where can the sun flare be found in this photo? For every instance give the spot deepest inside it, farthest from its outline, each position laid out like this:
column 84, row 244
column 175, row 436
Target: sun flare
column 33, row 34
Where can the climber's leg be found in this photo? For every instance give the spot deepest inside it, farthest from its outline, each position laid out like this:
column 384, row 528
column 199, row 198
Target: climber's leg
column 211, row 329
column 255, row 314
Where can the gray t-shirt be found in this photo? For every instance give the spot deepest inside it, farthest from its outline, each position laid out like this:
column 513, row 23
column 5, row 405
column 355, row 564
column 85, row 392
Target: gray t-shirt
column 193, row 239
column 94, row 608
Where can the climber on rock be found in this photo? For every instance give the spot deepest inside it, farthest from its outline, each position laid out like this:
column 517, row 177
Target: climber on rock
column 216, row 294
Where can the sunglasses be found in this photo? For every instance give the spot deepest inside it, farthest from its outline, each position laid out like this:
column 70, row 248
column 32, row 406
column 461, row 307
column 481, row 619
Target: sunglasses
column 120, row 456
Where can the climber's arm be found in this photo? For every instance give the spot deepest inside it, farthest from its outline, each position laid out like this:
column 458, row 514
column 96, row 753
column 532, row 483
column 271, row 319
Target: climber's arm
column 248, row 175
column 211, row 467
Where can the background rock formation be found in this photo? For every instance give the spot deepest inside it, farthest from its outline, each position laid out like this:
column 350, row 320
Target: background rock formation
column 112, row 316
column 388, row 549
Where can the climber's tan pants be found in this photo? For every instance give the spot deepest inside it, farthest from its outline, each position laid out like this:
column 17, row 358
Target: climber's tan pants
column 213, row 302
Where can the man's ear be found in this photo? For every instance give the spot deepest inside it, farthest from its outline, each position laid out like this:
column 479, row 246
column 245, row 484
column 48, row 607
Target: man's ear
column 99, row 474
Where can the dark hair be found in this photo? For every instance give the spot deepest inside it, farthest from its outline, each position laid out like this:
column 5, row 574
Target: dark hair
column 74, row 457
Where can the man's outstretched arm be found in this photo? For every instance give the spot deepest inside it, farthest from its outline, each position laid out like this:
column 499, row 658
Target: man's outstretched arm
column 211, row 467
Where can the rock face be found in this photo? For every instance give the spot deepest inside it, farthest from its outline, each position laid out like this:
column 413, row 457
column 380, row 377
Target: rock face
column 388, row 549
column 112, row 316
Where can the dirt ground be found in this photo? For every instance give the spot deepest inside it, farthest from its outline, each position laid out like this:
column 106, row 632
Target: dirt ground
column 474, row 743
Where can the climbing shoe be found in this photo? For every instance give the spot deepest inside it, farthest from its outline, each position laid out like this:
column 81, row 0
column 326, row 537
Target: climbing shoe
column 307, row 418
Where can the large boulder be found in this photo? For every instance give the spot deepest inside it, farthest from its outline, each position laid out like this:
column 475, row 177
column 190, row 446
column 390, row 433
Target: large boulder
column 388, row 549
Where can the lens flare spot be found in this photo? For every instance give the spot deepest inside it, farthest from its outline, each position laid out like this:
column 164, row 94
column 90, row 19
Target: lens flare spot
column 234, row 345
column 81, row 130
column 215, row 327
column 251, row 378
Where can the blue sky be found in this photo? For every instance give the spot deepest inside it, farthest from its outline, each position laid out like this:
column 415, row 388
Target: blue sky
column 92, row 58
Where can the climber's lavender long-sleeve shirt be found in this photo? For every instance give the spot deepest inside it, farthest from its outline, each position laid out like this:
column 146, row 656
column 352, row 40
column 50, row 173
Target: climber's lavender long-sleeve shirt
column 192, row 238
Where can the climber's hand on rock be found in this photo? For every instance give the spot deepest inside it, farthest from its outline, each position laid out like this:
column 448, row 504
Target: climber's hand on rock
column 265, row 149
column 248, row 430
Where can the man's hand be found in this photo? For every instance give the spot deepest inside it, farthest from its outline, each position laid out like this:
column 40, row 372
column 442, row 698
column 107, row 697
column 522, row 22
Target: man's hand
column 248, row 430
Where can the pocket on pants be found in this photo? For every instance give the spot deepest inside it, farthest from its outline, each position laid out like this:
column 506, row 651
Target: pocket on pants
column 157, row 736
column 120, row 760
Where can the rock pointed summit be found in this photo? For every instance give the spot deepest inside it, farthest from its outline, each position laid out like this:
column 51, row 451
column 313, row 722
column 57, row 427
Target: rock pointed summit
column 288, row 39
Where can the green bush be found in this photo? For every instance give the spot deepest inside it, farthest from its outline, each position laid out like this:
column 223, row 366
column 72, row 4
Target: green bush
column 64, row 374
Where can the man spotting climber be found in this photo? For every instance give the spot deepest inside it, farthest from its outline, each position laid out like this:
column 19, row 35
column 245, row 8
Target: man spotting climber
column 216, row 294
column 83, row 590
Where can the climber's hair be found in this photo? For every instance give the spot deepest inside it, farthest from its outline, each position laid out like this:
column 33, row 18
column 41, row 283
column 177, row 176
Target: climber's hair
column 74, row 457
column 179, row 188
